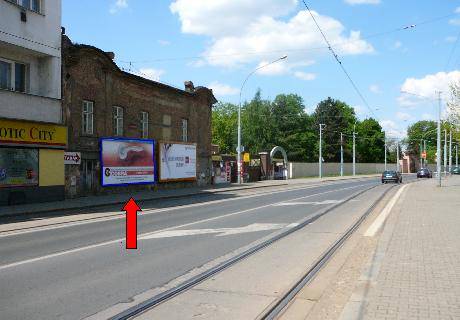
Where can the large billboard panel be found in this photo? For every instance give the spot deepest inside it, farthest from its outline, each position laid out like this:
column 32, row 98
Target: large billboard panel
column 177, row 161
column 18, row 167
column 127, row 161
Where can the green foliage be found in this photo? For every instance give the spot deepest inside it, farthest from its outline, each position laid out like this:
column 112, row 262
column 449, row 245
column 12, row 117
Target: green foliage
column 285, row 123
column 422, row 130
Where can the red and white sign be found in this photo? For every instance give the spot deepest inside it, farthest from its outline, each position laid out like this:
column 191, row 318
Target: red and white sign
column 72, row 157
column 424, row 154
column 127, row 161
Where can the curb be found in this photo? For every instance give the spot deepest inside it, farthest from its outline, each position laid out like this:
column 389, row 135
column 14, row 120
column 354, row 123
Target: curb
column 173, row 196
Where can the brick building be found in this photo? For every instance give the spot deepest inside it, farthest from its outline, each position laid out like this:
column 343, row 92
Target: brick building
column 101, row 100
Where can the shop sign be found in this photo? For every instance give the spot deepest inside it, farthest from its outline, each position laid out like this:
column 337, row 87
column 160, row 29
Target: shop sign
column 177, row 161
column 14, row 132
column 72, row 158
column 127, row 161
column 246, row 157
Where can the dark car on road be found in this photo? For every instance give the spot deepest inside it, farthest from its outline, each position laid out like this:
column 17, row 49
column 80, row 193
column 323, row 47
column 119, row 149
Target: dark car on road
column 455, row 170
column 391, row 176
column 424, row 173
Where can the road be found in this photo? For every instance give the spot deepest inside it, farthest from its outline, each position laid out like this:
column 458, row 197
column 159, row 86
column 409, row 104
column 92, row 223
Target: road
column 73, row 271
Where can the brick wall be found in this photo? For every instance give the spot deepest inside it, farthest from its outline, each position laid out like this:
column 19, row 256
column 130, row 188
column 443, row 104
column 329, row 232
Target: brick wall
column 90, row 74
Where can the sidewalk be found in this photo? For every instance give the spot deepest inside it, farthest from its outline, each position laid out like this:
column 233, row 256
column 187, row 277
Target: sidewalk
column 121, row 198
column 414, row 272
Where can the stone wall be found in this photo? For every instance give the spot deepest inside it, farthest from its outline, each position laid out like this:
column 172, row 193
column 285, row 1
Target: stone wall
column 300, row 170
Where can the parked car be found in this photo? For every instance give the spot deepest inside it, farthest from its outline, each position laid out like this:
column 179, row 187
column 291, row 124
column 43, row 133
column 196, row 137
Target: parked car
column 424, row 173
column 391, row 176
column 455, row 170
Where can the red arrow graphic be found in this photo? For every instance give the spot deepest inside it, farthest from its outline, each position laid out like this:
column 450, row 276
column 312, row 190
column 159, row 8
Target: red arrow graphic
column 131, row 209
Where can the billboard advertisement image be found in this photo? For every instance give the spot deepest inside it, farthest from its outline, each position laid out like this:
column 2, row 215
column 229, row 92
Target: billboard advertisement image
column 18, row 167
column 177, row 161
column 127, row 161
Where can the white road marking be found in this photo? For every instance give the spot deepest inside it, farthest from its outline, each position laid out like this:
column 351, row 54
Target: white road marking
column 58, row 254
column 220, row 232
column 120, row 215
column 377, row 224
column 315, row 203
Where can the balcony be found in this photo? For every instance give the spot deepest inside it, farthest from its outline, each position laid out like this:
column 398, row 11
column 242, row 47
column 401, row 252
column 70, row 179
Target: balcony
column 16, row 105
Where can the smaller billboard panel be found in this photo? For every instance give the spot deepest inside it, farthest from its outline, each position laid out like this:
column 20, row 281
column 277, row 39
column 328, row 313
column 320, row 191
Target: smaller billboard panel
column 127, row 161
column 177, row 161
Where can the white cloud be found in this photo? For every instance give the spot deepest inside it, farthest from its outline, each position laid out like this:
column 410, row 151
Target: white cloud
column 118, row 5
column 426, row 87
column 242, row 31
column 282, row 67
column 457, row 10
column 164, row 43
column 151, row 74
column 392, row 130
column 427, row 116
column 397, row 45
column 353, row 2
column 305, row 75
column 454, row 22
column 450, row 39
column 220, row 89
column 404, row 116
column 374, row 88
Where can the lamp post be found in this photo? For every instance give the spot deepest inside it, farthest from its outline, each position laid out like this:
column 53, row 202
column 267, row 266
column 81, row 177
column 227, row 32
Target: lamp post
column 320, row 160
column 239, row 164
column 438, row 155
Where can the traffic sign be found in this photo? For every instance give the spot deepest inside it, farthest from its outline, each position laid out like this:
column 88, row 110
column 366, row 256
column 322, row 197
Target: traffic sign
column 246, row 157
column 424, row 154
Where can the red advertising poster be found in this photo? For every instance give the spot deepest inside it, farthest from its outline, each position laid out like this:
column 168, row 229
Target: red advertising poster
column 127, row 161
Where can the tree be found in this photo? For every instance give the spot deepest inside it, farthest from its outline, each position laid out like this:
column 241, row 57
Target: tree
column 224, row 126
column 259, row 131
column 370, row 144
column 338, row 118
column 422, row 130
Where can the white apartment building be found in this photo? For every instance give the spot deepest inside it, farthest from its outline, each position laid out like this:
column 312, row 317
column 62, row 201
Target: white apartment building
column 32, row 137
column 30, row 60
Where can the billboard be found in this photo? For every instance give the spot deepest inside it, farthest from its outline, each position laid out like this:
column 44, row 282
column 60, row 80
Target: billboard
column 18, row 167
column 127, row 161
column 177, row 161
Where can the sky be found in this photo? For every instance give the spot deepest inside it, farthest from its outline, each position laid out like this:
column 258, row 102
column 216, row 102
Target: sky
column 386, row 46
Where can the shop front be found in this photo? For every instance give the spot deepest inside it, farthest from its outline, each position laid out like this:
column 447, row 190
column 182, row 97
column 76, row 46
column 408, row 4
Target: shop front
column 31, row 161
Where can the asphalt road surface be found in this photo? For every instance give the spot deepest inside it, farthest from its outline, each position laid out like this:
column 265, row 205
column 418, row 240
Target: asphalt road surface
column 74, row 271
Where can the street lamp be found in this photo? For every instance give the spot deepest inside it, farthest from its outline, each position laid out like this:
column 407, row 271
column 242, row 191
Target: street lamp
column 239, row 164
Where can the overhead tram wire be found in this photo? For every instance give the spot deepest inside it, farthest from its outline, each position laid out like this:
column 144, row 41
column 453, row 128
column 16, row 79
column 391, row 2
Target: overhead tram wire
column 339, row 62
column 338, row 44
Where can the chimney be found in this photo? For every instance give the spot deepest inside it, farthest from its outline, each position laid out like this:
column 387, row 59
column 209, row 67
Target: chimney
column 110, row 54
column 189, row 87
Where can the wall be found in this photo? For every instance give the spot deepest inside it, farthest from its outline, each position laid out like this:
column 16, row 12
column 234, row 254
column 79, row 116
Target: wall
column 299, row 170
column 51, row 168
column 16, row 105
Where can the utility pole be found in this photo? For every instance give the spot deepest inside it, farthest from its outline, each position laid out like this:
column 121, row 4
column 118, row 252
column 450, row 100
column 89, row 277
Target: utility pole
column 424, row 149
column 341, row 154
column 397, row 155
column 450, row 151
column 456, row 155
column 320, row 160
column 438, row 154
column 385, row 140
column 421, row 158
column 354, row 150
column 445, row 152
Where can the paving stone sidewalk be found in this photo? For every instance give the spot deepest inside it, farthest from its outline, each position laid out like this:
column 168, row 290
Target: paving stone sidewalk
column 418, row 257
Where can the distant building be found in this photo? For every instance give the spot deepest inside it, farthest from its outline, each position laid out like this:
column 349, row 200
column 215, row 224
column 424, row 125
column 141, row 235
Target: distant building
column 32, row 138
column 101, row 100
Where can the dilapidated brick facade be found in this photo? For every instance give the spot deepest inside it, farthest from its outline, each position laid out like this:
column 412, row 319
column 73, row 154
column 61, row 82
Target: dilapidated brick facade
column 89, row 74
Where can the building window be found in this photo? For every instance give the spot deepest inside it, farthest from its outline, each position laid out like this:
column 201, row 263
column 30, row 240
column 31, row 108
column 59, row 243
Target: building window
column 184, row 130
column 87, row 117
column 166, row 127
column 5, row 75
column 144, row 125
column 20, row 77
column 33, row 5
column 13, row 75
column 118, row 121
